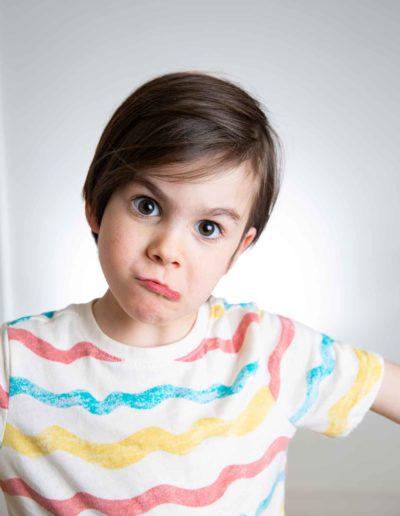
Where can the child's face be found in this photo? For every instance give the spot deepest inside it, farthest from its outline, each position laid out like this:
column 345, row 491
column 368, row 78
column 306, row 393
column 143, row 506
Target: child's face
column 167, row 233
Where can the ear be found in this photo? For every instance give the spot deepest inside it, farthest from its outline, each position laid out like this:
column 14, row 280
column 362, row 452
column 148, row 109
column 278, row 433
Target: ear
column 91, row 219
column 244, row 244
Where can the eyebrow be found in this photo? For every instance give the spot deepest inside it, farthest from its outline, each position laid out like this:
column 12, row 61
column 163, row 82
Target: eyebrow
column 213, row 212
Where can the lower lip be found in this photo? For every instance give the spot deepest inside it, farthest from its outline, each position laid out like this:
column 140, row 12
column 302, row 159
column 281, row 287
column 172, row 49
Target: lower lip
column 161, row 289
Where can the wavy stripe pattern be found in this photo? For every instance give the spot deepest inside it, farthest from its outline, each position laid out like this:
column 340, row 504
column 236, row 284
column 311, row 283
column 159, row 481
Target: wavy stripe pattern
column 274, row 361
column 137, row 446
column 369, row 372
column 265, row 503
column 232, row 345
column 155, row 496
column 229, row 306
column 315, row 376
column 46, row 350
column 144, row 400
column 49, row 315
column 152, row 442
column 4, row 398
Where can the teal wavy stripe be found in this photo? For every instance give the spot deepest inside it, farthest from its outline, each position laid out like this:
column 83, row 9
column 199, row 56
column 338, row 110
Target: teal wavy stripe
column 27, row 317
column 228, row 306
column 142, row 401
column 264, row 504
column 315, row 377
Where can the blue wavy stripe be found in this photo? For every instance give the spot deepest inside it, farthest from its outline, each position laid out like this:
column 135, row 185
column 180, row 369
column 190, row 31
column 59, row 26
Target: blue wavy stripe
column 228, row 306
column 143, row 401
column 315, row 377
column 264, row 504
column 27, row 317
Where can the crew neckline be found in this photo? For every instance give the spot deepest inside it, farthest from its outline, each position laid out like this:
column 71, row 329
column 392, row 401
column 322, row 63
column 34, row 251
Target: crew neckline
column 154, row 354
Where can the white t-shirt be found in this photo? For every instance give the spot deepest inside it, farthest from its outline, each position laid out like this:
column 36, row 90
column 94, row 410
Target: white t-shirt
column 200, row 426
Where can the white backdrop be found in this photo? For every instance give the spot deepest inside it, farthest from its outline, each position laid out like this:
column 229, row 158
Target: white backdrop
column 328, row 72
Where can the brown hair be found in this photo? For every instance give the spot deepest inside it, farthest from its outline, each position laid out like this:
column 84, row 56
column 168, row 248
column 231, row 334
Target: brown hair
column 186, row 126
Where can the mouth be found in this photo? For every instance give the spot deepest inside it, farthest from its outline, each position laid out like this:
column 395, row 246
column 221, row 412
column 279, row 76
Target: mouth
column 159, row 288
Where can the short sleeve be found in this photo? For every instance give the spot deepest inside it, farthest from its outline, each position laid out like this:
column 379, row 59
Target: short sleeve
column 4, row 378
column 325, row 385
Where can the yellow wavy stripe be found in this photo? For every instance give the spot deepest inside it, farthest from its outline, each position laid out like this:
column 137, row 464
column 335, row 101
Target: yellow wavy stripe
column 217, row 311
column 369, row 371
column 138, row 445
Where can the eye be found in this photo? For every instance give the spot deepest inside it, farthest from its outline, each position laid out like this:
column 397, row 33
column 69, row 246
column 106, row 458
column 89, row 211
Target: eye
column 207, row 229
column 146, row 206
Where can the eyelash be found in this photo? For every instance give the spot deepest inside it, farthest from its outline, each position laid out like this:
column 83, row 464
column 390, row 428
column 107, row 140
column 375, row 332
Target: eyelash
column 140, row 214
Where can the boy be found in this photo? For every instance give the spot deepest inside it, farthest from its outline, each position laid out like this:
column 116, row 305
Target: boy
column 159, row 398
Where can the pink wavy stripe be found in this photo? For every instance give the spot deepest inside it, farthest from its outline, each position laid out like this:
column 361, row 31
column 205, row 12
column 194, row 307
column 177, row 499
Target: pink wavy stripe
column 232, row 345
column 48, row 351
column 3, row 398
column 274, row 362
column 155, row 496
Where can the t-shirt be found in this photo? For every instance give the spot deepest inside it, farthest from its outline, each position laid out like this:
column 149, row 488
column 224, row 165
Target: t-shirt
column 201, row 426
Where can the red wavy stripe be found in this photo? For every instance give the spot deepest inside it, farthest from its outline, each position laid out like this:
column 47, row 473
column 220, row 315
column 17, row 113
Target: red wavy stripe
column 48, row 351
column 155, row 496
column 232, row 345
column 3, row 398
column 274, row 362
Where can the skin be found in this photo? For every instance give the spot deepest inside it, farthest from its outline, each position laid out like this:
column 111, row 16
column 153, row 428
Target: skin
column 168, row 240
column 387, row 402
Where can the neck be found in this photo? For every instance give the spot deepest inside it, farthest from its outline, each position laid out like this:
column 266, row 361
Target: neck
column 119, row 326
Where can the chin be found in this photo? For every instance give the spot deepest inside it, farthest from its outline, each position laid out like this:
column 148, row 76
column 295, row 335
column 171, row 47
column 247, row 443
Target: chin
column 150, row 312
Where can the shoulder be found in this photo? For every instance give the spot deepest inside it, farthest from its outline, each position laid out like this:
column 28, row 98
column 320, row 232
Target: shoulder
column 40, row 318
column 243, row 320
column 274, row 329
column 45, row 324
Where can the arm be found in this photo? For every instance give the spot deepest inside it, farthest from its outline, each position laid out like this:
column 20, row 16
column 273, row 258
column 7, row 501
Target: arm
column 387, row 402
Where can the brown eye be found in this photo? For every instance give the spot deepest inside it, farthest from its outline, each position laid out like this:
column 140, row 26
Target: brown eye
column 146, row 206
column 209, row 229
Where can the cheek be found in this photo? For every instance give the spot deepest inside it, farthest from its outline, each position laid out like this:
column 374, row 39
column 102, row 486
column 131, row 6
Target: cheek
column 114, row 248
column 210, row 268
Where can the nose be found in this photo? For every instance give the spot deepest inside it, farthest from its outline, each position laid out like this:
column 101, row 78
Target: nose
column 164, row 247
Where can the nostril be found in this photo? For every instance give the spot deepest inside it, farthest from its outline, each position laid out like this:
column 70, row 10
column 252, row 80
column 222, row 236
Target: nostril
column 163, row 251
